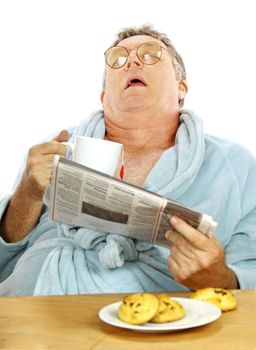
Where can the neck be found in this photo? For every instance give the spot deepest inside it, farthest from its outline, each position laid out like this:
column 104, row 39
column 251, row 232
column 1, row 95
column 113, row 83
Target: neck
column 143, row 136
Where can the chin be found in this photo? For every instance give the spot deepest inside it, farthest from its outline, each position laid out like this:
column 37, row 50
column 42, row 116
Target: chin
column 135, row 104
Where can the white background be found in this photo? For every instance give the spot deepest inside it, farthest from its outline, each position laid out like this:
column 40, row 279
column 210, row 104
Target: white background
column 51, row 64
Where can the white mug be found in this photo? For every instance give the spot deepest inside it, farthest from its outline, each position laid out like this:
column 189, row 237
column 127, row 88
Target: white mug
column 102, row 155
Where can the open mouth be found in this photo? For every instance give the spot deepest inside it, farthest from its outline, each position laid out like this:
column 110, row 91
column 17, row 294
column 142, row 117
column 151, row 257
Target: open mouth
column 135, row 82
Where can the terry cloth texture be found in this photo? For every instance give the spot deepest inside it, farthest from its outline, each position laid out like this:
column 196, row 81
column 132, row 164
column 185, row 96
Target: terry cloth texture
column 212, row 175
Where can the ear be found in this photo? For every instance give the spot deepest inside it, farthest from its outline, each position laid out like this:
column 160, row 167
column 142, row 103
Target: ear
column 183, row 88
column 102, row 96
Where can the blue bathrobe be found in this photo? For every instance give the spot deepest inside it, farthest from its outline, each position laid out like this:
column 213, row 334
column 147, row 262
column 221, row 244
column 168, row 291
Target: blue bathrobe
column 209, row 174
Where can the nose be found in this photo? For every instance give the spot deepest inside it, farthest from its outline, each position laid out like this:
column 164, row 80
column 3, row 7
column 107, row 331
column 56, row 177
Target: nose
column 133, row 60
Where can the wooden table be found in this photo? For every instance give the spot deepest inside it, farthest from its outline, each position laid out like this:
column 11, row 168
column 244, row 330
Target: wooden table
column 72, row 322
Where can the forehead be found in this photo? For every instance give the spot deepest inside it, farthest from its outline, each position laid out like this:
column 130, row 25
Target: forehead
column 136, row 40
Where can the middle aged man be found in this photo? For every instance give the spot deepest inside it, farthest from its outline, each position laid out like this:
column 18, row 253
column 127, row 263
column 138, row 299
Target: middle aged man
column 165, row 151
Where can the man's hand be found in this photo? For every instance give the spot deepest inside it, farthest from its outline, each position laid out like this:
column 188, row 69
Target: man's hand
column 25, row 206
column 39, row 165
column 197, row 261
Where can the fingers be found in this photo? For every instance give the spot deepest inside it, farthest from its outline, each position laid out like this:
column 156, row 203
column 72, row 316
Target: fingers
column 195, row 260
column 39, row 164
column 51, row 147
column 189, row 233
column 181, row 269
column 54, row 146
column 62, row 137
column 192, row 244
column 180, row 247
column 37, row 174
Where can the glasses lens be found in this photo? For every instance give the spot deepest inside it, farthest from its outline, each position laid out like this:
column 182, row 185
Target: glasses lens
column 116, row 56
column 149, row 53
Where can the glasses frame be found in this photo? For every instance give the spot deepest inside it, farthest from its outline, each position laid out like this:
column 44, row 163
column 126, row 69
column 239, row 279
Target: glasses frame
column 137, row 48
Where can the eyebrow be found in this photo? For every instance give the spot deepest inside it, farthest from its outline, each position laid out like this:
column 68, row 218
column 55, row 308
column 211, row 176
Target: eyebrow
column 144, row 42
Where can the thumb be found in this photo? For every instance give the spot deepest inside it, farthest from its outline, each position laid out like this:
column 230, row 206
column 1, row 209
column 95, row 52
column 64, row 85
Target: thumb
column 63, row 136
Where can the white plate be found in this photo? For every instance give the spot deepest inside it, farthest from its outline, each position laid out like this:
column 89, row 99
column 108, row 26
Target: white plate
column 198, row 313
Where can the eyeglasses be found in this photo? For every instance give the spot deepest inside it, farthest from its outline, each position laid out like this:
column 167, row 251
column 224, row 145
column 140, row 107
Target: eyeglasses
column 148, row 53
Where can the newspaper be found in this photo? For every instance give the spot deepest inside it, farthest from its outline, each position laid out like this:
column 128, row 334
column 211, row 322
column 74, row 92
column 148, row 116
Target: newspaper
column 84, row 197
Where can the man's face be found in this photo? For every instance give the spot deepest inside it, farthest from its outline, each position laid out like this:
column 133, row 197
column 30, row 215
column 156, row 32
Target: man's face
column 158, row 88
